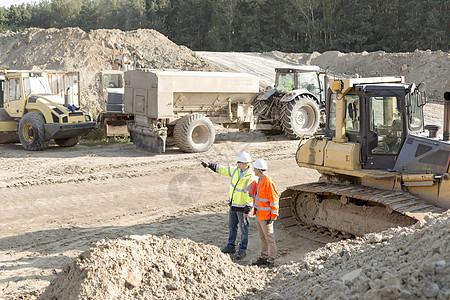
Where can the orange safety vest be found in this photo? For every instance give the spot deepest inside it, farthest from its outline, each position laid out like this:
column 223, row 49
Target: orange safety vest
column 266, row 199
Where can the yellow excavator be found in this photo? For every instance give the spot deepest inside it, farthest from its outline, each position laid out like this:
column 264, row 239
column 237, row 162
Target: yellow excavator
column 378, row 169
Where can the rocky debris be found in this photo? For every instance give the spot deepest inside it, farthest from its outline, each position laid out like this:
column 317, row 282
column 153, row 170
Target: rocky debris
column 72, row 49
column 400, row 263
column 431, row 67
column 150, row 267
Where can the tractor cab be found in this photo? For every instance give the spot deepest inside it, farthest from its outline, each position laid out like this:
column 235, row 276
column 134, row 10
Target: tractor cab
column 299, row 77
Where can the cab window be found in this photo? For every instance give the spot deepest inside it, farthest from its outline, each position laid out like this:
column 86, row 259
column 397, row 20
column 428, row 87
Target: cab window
column 385, row 120
column 2, row 92
column 284, row 82
column 14, row 90
column 332, row 112
column 309, row 81
column 415, row 113
column 36, row 85
column 352, row 119
column 112, row 81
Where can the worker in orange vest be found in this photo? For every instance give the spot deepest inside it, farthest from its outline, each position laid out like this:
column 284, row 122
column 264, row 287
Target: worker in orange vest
column 265, row 202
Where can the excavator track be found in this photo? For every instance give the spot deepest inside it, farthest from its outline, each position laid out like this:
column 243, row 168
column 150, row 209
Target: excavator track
column 318, row 234
column 351, row 209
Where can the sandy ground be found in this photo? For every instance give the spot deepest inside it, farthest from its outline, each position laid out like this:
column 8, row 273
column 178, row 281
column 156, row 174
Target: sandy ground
column 57, row 202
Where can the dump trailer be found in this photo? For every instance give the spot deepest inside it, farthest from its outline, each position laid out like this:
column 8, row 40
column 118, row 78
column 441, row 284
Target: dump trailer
column 379, row 169
column 32, row 114
column 296, row 104
column 185, row 105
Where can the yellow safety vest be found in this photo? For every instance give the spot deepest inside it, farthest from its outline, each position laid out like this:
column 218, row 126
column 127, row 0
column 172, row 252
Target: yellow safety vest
column 238, row 195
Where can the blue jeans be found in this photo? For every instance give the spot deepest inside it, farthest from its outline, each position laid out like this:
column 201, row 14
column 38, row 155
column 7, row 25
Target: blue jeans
column 236, row 218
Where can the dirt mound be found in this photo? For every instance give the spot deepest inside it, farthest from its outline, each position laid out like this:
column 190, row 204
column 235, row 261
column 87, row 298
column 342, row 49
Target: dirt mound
column 72, row 49
column 431, row 67
column 149, row 267
column 400, row 263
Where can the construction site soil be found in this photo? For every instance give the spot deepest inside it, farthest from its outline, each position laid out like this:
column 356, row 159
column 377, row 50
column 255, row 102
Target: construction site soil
column 117, row 222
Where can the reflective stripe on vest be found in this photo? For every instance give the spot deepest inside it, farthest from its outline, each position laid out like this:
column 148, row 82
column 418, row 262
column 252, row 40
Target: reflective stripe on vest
column 264, row 208
column 257, row 192
column 262, row 199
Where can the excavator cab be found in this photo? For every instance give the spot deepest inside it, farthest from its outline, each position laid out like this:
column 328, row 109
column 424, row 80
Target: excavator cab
column 378, row 117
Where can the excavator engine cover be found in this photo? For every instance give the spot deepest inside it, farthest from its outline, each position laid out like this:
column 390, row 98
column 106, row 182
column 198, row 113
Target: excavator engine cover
column 421, row 155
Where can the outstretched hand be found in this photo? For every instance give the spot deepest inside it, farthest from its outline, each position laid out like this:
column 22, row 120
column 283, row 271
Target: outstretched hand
column 205, row 164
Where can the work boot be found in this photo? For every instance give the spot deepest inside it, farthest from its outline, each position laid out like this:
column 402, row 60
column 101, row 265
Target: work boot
column 259, row 262
column 241, row 254
column 268, row 265
column 228, row 250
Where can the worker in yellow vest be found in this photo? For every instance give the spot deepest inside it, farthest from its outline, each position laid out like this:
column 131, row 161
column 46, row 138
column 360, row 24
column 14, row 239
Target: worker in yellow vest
column 240, row 202
column 266, row 209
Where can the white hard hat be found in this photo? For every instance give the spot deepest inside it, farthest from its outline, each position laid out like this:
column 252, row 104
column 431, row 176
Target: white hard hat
column 260, row 164
column 243, row 157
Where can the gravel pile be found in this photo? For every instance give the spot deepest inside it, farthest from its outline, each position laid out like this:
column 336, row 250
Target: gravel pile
column 72, row 49
column 150, row 267
column 400, row 263
column 431, row 67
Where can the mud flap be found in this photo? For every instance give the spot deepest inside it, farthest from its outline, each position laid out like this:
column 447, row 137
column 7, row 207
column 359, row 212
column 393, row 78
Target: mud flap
column 153, row 141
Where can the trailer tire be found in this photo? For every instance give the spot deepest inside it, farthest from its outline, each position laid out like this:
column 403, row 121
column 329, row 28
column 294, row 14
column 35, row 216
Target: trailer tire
column 194, row 133
column 32, row 131
column 67, row 142
column 300, row 116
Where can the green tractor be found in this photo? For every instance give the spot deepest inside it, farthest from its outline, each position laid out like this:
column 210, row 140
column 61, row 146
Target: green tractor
column 296, row 104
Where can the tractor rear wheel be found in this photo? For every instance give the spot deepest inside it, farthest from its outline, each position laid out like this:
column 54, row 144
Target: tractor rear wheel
column 194, row 133
column 300, row 116
column 32, row 131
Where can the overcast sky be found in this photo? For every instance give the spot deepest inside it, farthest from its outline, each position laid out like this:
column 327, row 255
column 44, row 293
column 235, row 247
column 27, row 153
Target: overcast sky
column 7, row 3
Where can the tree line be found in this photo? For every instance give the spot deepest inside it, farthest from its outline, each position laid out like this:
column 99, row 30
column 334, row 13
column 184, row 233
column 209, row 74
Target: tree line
column 254, row 25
